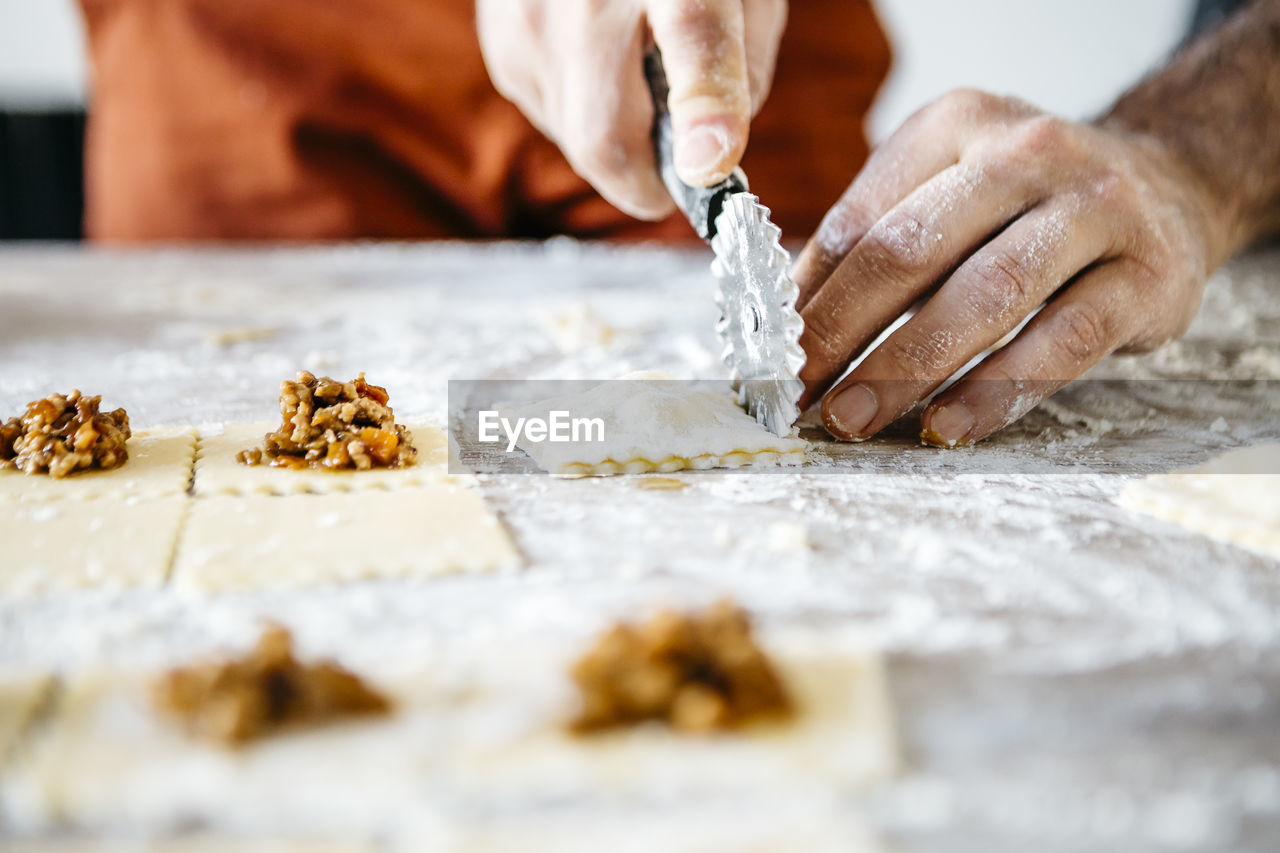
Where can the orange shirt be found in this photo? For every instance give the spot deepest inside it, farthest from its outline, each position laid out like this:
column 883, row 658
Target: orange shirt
column 298, row 120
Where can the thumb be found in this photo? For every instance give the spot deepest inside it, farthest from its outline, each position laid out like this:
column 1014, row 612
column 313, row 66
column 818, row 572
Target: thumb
column 703, row 51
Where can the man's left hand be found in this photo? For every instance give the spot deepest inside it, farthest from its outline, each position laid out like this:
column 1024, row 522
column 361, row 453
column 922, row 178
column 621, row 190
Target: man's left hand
column 983, row 209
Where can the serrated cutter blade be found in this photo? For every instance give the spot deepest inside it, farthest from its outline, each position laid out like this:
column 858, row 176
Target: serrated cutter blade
column 759, row 325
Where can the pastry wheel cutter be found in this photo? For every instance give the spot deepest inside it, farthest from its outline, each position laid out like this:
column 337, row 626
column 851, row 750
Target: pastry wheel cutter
column 759, row 325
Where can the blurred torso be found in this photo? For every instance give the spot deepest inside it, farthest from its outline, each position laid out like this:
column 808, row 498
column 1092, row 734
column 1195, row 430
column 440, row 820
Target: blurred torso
column 297, row 120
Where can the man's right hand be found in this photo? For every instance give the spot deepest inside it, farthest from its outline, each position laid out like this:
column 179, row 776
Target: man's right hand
column 576, row 69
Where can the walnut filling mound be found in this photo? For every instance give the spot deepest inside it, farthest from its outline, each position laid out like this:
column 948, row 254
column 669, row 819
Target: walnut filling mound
column 240, row 700
column 333, row 425
column 695, row 673
column 61, row 435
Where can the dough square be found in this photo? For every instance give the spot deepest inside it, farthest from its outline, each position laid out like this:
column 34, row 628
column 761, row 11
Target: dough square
column 218, row 473
column 159, row 465
column 108, row 762
column 1234, row 498
column 512, row 743
column 266, row 541
column 21, row 694
column 58, row 546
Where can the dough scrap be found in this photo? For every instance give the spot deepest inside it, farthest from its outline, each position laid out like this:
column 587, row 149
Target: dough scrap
column 268, row 541
column 653, row 423
column 575, row 328
column 159, row 465
column 842, row 735
column 109, row 763
column 218, row 473
column 1234, row 498
column 58, row 546
column 21, row 695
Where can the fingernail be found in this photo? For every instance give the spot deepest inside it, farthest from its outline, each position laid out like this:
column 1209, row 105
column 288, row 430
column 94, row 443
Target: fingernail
column 851, row 411
column 700, row 153
column 949, row 425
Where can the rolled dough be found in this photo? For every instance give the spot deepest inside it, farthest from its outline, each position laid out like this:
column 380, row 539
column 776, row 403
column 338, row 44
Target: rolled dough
column 218, row 473
column 655, row 423
column 1234, row 498
column 264, row 541
column 159, row 465
column 57, row 546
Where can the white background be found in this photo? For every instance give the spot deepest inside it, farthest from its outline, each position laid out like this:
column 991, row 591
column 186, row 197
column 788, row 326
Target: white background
column 1069, row 56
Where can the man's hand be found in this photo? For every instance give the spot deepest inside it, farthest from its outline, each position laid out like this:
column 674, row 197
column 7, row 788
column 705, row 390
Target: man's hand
column 983, row 209
column 576, row 69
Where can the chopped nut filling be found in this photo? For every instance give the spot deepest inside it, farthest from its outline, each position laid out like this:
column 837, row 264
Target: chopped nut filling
column 61, row 435
column 334, row 425
column 241, row 700
column 695, row 673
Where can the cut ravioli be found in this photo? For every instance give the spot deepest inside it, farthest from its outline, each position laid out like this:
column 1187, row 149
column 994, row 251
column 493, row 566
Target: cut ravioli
column 218, row 472
column 298, row 540
column 57, row 546
column 842, row 736
column 109, row 764
column 654, row 423
column 159, row 465
column 1234, row 498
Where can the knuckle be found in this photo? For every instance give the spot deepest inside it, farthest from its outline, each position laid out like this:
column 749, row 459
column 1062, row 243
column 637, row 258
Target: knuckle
column 842, row 225
column 914, row 357
column 698, row 21
column 899, row 247
column 1114, row 190
column 824, row 339
column 1003, row 282
column 1081, row 332
column 966, row 103
column 1044, row 135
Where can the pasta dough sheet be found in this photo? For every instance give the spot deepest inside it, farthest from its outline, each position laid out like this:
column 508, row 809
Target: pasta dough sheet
column 1234, row 498
column 159, row 465
column 843, row 737
column 21, row 695
column 654, row 423
column 110, row 764
column 265, row 541
column 103, row 544
column 486, row 729
column 218, row 472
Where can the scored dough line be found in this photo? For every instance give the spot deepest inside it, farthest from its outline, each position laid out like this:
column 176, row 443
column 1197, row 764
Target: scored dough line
column 172, row 561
